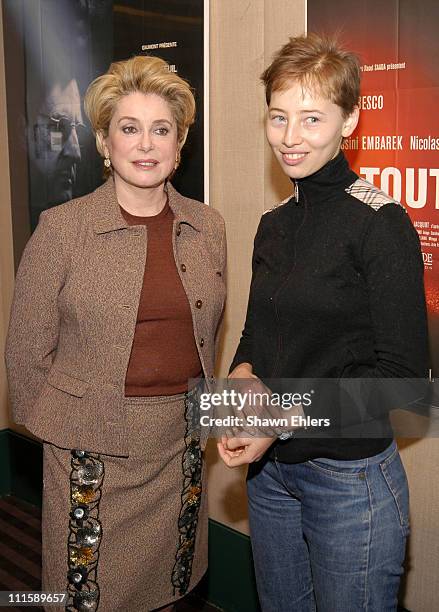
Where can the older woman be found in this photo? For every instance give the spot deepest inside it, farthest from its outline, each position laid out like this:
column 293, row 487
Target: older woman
column 336, row 293
column 100, row 349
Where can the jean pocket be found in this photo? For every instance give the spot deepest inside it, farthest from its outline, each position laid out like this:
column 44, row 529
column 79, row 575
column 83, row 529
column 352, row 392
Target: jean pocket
column 347, row 470
column 396, row 480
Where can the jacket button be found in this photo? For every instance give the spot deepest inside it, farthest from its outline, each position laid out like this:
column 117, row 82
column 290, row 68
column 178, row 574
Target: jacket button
column 178, row 231
column 202, row 342
column 183, row 268
column 198, row 303
column 219, row 273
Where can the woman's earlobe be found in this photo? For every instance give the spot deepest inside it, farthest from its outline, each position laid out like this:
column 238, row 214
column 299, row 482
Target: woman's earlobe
column 351, row 122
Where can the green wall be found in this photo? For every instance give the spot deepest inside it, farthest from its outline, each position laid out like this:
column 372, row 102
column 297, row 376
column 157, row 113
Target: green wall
column 5, row 464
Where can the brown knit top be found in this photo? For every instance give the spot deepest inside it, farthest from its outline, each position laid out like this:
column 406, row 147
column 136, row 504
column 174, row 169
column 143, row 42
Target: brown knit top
column 164, row 353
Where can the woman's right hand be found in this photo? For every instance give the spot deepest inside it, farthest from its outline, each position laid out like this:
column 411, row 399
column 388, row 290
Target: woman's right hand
column 237, row 448
column 243, row 370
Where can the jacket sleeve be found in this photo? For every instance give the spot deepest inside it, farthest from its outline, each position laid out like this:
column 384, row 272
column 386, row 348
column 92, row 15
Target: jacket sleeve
column 244, row 352
column 34, row 320
column 393, row 269
column 223, row 269
column 394, row 273
column 223, row 252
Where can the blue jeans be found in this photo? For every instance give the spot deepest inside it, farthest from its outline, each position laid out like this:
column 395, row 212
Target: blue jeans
column 329, row 535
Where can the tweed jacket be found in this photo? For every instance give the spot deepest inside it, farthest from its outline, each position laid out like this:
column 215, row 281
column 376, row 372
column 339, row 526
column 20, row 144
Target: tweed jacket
column 74, row 313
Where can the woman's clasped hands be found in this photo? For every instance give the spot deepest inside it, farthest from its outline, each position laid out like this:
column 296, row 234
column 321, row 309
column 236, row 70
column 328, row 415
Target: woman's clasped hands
column 243, row 446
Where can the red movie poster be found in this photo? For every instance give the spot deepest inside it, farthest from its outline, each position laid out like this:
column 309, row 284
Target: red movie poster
column 396, row 144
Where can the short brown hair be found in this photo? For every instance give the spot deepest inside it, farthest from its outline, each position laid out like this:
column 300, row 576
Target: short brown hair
column 144, row 74
column 319, row 63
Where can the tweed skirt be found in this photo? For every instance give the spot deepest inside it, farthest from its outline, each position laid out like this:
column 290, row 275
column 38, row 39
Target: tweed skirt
column 128, row 534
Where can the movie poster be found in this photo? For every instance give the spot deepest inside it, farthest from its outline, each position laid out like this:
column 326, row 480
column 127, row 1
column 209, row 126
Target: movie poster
column 53, row 50
column 172, row 30
column 396, row 144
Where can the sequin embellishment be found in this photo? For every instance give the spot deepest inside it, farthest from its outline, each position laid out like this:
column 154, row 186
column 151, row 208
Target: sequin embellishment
column 85, row 531
column 190, row 497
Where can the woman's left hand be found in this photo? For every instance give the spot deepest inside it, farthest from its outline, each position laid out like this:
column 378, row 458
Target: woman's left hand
column 240, row 451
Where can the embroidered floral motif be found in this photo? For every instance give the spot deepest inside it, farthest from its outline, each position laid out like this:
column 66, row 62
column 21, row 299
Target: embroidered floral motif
column 85, row 531
column 190, row 497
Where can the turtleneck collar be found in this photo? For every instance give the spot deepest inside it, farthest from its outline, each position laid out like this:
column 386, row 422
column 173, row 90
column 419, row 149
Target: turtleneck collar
column 326, row 183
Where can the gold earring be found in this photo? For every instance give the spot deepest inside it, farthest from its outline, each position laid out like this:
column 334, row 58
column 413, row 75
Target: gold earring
column 177, row 160
column 107, row 162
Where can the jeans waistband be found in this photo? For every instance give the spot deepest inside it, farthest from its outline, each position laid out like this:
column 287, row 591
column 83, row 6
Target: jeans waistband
column 363, row 462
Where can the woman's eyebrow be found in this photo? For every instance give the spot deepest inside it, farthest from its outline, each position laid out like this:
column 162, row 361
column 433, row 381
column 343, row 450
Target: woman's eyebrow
column 311, row 110
column 126, row 117
column 303, row 110
column 280, row 110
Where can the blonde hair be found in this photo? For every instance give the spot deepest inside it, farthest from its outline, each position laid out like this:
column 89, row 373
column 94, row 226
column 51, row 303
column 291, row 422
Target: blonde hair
column 317, row 63
column 144, row 74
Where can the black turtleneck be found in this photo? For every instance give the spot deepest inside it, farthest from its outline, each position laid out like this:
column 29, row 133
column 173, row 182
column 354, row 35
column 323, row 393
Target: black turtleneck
column 337, row 291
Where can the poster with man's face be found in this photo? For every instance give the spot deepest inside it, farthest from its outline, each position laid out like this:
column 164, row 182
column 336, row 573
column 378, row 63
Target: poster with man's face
column 54, row 49
column 66, row 45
